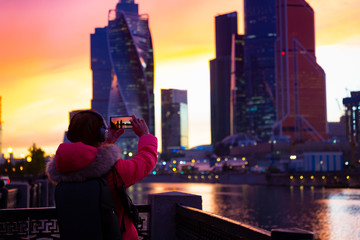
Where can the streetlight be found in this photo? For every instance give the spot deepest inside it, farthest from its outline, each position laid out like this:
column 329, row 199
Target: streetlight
column 28, row 159
column 10, row 150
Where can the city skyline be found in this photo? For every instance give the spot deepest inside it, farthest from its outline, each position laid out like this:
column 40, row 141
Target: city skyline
column 45, row 48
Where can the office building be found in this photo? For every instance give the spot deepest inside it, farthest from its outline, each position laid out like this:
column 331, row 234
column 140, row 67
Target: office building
column 336, row 131
column 102, row 73
column 123, row 69
column 174, row 120
column 238, row 121
column 259, row 66
column 300, row 95
column 225, row 77
column 131, row 54
column 352, row 117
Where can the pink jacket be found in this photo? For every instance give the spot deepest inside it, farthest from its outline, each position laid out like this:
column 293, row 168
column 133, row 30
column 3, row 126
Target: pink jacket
column 76, row 162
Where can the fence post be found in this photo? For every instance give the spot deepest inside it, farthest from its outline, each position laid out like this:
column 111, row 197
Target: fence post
column 11, row 198
column 163, row 211
column 291, row 233
column 44, row 192
column 23, row 194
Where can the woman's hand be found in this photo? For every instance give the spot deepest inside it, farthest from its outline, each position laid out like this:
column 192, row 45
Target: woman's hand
column 113, row 135
column 139, row 126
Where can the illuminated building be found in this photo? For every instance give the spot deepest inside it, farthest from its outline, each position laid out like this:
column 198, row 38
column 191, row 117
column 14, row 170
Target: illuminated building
column 123, row 69
column 352, row 117
column 300, row 92
column 259, row 66
column 174, row 120
column 226, row 80
column 131, row 55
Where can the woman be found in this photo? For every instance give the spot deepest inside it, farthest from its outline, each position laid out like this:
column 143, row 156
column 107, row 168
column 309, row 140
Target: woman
column 92, row 153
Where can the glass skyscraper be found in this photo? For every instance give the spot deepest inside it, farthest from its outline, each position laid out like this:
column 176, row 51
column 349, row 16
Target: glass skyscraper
column 123, row 68
column 226, row 78
column 301, row 89
column 259, row 66
column 102, row 73
column 238, row 119
column 352, row 117
column 174, row 120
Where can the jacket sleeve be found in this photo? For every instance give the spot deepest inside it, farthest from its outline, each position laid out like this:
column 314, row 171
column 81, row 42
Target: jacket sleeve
column 138, row 167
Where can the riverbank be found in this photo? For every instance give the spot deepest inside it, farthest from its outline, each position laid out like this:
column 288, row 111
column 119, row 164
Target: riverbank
column 318, row 179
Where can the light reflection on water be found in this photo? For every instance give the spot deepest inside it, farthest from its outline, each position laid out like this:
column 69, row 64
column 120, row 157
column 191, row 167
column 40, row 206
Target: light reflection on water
column 332, row 214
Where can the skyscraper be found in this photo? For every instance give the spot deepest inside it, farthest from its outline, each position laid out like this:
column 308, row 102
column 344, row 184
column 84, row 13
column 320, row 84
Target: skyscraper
column 301, row 91
column 174, row 120
column 225, row 76
column 352, row 117
column 102, row 73
column 123, row 68
column 131, row 55
column 259, row 66
column 238, row 121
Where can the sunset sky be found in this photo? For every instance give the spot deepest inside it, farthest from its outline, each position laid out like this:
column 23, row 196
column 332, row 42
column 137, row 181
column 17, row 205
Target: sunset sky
column 45, row 60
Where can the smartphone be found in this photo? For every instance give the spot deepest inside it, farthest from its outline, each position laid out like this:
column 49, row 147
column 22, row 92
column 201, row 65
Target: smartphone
column 120, row 122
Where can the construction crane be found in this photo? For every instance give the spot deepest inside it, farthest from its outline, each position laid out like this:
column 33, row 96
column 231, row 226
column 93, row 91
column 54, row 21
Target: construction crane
column 339, row 106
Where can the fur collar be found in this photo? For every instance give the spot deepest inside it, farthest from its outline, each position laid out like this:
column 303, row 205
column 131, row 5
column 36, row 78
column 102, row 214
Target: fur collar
column 104, row 161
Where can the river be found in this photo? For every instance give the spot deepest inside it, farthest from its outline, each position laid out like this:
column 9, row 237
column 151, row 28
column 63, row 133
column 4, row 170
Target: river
column 332, row 214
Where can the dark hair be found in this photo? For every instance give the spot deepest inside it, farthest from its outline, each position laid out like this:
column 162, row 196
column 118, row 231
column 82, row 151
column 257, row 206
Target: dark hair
column 85, row 127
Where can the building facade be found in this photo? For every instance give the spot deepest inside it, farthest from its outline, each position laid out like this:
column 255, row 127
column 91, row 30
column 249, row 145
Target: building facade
column 301, row 90
column 352, row 117
column 174, row 120
column 259, row 66
column 123, row 69
column 226, row 79
column 102, row 73
column 238, row 121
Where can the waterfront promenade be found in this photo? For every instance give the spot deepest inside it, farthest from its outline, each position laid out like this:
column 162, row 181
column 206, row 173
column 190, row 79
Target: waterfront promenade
column 342, row 179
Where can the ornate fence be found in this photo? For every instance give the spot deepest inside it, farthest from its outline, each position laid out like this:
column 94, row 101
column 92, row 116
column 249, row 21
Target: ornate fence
column 40, row 223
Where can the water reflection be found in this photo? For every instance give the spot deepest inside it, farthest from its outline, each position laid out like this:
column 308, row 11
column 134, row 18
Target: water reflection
column 332, row 214
column 344, row 207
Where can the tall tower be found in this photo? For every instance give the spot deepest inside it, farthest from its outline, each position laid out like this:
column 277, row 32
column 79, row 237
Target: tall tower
column 238, row 121
column 174, row 120
column 260, row 36
column 123, row 69
column 352, row 118
column 102, row 73
column 131, row 56
column 352, row 124
column 222, row 72
column 301, row 90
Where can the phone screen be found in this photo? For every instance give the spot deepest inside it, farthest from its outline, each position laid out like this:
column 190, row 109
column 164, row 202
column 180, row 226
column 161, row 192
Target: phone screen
column 120, row 122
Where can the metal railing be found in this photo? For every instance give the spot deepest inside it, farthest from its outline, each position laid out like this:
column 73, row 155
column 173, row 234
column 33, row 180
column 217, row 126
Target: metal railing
column 193, row 223
column 40, row 223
